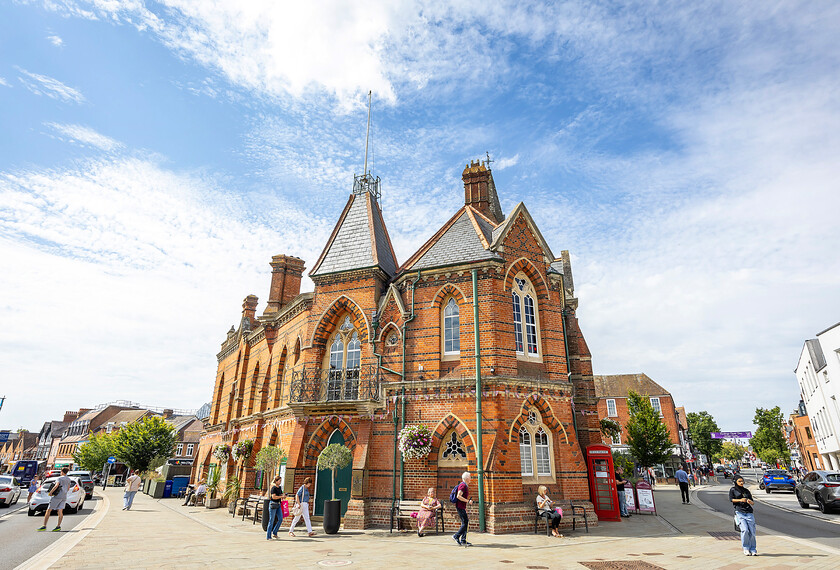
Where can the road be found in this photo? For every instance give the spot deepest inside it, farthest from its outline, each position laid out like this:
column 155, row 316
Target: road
column 19, row 540
column 770, row 514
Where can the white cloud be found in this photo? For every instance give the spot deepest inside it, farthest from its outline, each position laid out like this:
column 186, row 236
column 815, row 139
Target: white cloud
column 52, row 88
column 505, row 162
column 4, row 83
column 79, row 134
column 55, row 40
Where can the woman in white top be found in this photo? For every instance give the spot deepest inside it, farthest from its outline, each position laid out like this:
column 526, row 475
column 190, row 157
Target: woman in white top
column 545, row 507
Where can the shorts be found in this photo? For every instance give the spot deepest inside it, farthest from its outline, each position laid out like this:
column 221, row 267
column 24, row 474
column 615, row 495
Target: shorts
column 58, row 503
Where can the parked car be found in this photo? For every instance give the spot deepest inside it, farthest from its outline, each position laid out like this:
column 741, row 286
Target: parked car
column 41, row 498
column 821, row 488
column 86, row 480
column 778, row 479
column 9, row 490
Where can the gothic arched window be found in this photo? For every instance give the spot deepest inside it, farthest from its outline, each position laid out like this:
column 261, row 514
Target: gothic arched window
column 451, row 328
column 344, row 359
column 535, row 450
column 526, row 331
column 525, row 453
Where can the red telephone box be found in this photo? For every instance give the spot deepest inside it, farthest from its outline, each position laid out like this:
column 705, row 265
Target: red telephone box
column 599, row 463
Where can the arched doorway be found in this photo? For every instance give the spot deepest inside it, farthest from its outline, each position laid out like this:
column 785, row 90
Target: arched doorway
column 323, row 482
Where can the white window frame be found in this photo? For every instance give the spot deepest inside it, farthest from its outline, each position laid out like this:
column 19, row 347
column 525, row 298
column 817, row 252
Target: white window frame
column 526, row 452
column 656, row 406
column 616, row 439
column 451, row 333
column 542, row 450
column 179, row 450
column 190, row 448
column 612, row 411
column 526, row 327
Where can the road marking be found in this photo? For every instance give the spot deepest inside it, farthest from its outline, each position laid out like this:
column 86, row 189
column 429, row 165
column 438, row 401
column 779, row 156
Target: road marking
column 63, row 545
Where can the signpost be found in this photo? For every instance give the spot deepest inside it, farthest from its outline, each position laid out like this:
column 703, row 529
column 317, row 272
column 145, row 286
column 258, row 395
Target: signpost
column 731, row 434
column 111, row 461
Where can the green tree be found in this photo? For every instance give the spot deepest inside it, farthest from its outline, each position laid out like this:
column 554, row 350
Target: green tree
column 139, row 443
column 335, row 456
column 268, row 458
column 648, row 439
column 92, row 455
column 769, row 441
column 626, row 463
column 700, row 428
column 731, row 451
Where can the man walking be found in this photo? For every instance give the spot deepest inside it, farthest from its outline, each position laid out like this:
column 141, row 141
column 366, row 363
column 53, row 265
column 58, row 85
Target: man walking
column 58, row 498
column 682, row 479
column 620, row 482
column 132, row 485
column 462, row 498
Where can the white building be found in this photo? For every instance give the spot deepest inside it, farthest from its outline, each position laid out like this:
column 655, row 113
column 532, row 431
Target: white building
column 818, row 374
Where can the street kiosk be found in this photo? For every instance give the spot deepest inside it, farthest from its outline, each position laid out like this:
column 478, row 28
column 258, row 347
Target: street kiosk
column 599, row 463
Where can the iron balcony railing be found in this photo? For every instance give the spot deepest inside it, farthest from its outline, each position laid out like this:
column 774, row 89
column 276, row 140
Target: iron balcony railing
column 316, row 385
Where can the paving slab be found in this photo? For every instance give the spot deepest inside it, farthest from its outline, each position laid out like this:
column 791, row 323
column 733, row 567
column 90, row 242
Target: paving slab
column 158, row 533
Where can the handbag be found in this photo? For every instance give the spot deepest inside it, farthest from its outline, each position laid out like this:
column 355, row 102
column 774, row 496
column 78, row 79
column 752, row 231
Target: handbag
column 559, row 511
column 296, row 509
column 284, row 508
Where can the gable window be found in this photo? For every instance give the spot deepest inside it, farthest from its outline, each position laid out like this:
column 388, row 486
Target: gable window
column 535, row 458
column 344, row 360
column 190, row 448
column 180, row 450
column 656, row 405
column 526, row 336
column 451, row 328
column 611, row 409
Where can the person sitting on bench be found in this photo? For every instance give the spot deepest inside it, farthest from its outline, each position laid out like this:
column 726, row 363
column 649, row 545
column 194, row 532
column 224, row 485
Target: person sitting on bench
column 193, row 493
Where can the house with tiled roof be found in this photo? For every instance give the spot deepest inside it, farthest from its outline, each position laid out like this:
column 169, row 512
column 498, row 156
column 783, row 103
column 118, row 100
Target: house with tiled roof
column 379, row 346
column 612, row 392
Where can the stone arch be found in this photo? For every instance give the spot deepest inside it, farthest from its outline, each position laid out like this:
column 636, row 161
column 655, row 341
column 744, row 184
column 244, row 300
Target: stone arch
column 449, row 289
column 527, row 267
column 540, row 404
column 328, row 321
column 319, row 439
column 390, row 325
column 453, row 422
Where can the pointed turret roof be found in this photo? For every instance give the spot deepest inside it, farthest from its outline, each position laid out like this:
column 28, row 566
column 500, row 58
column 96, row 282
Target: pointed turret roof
column 359, row 240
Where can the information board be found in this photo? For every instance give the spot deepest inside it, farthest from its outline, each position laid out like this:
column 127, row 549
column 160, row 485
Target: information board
column 630, row 497
column 644, row 492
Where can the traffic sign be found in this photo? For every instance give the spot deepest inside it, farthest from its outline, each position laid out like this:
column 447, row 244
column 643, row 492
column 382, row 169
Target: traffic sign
column 731, row 434
column 112, row 460
column 4, row 436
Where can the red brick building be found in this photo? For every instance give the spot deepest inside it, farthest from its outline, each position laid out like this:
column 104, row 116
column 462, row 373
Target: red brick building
column 378, row 345
column 612, row 391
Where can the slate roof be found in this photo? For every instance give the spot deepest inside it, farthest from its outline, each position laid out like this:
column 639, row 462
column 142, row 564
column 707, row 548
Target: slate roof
column 816, row 354
column 619, row 385
column 465, row 238
column 359, row 240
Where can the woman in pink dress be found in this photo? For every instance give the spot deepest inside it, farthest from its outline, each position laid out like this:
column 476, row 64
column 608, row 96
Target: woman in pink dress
column 428, row 511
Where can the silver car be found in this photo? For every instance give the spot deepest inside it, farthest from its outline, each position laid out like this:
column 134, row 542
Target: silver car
column 821, row 488
column 9, row 490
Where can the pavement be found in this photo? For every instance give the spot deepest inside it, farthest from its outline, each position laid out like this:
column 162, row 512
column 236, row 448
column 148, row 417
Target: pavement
column 162, row 533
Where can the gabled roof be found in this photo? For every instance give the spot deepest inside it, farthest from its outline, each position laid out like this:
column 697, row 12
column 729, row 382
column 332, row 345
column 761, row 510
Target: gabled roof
column 359, row 240
column 500, row 232
column 619, row 385
column 465, row 238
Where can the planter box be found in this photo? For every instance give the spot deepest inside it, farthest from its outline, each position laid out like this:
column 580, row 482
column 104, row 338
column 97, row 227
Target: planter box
column 213, row 503
column 146, row 484
column 156, row 489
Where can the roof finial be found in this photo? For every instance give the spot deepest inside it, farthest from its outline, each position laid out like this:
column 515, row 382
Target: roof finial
column 488, row 161
column 367, row 135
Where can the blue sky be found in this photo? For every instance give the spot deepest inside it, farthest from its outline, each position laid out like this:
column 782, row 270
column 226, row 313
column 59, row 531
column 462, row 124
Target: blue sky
column 155, row 155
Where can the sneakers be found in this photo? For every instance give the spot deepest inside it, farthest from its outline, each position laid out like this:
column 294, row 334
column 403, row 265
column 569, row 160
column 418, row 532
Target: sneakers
column 42, row 529
column 455, row 538
column 57, row 529
column 747, row 553
column 465, row 543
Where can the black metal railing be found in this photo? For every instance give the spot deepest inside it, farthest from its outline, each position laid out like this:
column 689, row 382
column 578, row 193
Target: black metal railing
column 331, row 385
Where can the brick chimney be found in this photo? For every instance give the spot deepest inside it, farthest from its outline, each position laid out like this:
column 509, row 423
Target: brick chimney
column 286, row 272
column 167, row 413
column 249, row 309
column 70, row 416
column 480, row 191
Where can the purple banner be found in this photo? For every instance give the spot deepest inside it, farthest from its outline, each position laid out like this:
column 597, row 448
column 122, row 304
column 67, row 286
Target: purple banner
column 731, row 434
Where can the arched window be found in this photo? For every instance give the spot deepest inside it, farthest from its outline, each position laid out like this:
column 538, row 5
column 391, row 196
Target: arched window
column 526, row 330
column 344, row 360
column 451, row 328
column 535, row 454
column 217, row 408
column 525, row 453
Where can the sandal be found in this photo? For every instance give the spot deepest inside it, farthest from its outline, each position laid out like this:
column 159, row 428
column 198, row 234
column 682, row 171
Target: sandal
column 312, row 533
column 291, row 533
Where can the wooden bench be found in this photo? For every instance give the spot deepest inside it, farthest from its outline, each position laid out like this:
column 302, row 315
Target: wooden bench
column 403, row 510
column 255, row 502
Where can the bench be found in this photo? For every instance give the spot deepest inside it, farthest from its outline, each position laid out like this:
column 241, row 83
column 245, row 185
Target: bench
column 255, row 502
column 537, row 518
column 198, row 499
column 403, row 510
column 578, row 513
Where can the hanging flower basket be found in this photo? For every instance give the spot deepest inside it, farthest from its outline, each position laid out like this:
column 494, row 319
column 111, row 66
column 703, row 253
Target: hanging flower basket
column 221, row 452
column 415, row 442
column 243, row 449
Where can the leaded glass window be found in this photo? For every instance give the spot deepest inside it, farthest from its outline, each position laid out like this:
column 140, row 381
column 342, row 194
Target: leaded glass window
column 454, row 449
column 525, row 452
column 451, row 328
column 530, row 325
column 517, row 323
column 541, row 444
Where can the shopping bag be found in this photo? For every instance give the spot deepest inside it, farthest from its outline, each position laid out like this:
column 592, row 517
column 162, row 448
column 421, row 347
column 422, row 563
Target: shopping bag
column 559, row 511
column 284, row 507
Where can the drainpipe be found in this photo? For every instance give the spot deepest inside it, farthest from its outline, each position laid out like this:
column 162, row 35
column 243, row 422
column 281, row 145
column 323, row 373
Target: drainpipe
column 478, row 423
column 402, row 405
column 569, row 372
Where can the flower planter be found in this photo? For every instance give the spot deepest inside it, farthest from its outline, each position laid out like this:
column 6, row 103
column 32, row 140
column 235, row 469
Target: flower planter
column 332, row 516
column 156, row 489
column 213, row 503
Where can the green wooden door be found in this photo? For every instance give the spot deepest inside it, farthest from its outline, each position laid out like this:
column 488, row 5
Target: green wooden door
column 323, row 482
